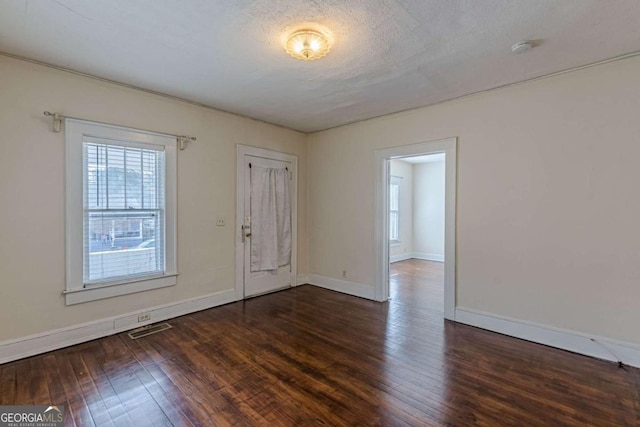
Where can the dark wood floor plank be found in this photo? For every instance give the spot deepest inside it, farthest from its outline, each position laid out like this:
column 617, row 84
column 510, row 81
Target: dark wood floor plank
column 24, row 387
column 55, row 385
column 140, row 406
column 635, row 395
column 39, row 385
column 308, row 356
column 171, row 406
column 77, row 407
column 8, row 384
column 100, row 373
column 197, row 413
column 191, row 379
column 95, row 403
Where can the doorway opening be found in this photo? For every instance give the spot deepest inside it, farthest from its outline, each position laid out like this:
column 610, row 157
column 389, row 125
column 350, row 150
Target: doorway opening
column 387, row 233
column 416, row 230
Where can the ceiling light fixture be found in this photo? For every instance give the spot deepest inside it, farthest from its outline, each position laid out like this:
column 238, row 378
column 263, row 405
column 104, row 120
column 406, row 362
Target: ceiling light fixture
column 307, row 45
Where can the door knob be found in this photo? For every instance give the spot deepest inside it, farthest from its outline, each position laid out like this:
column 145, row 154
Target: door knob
column 246, row 231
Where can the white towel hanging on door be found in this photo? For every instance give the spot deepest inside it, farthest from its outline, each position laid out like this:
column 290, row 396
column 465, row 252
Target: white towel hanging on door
column 270, row 219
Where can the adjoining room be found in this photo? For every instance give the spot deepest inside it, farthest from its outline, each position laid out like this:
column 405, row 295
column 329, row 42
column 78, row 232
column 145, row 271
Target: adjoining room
column 416, row 229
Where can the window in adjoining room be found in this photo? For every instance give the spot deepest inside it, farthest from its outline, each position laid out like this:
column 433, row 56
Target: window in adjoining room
column 394, row 209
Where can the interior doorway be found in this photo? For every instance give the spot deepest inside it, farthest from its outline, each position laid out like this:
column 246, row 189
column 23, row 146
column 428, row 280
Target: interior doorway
column 416, row 230
column 383, row 216
column 266, row 223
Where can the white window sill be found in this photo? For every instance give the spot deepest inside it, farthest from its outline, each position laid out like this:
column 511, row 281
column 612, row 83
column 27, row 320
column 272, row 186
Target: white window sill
column 80, row 295
column 395, row 243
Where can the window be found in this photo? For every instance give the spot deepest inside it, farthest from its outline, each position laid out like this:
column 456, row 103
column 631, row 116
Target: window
column 121, row 193
column 394, row 209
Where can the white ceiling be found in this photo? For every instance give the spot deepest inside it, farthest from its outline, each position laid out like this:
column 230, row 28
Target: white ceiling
column 388, row 56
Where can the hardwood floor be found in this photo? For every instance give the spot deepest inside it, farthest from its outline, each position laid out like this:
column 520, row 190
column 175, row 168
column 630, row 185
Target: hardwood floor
column 418, row 282
column 309, row 356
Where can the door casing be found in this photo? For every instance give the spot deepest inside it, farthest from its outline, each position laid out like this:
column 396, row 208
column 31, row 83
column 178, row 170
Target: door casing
column 241, row 152
column 381, row 232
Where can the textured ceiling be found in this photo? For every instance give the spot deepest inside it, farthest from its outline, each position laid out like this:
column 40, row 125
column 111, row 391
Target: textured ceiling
column 388, row 56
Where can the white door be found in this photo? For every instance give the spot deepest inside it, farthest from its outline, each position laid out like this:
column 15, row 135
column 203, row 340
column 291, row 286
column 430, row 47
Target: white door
column 275, row 273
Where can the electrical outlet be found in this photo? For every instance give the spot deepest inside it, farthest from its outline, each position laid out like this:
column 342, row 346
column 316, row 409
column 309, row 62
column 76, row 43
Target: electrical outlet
column 220, row 222
column 144, row 317
column 344, row 274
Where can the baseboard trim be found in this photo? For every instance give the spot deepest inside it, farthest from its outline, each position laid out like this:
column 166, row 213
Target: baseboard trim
column 20, row 348
column 351, row 288
column 302, row 279
column 428, row 257
column 588, row 345
column 400, row 257
column 416, row 255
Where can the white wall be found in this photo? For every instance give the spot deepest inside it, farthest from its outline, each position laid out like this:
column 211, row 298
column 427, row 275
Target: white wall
column 547, row 221
column 428, row 210
column 32, row 261
column 404, row 247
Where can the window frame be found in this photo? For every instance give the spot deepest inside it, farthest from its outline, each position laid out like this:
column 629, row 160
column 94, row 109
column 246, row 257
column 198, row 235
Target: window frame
column 76, row 291
column 397, row 181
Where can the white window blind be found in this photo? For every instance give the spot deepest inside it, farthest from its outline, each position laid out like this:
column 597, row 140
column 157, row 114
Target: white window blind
column 124, row 211
column 394, row 209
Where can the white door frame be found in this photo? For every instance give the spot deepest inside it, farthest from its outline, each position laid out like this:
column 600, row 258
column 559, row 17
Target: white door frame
column 242, row 151
column 381, row 233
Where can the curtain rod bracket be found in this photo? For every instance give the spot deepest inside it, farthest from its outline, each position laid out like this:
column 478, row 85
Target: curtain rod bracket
column 57, row 120
column 185, row 140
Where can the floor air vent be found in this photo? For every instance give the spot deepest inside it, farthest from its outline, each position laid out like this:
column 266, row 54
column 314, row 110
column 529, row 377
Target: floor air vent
column 148, row 330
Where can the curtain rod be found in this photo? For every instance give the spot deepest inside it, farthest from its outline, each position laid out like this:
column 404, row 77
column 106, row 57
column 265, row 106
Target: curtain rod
column 183, row 140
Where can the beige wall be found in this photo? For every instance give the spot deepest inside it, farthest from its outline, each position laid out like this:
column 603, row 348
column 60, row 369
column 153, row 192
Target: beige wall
column 32, row 262
column 548, row 206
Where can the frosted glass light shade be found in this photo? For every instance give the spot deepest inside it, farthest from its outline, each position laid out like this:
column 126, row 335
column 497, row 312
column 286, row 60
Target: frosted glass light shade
column 307, row 45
